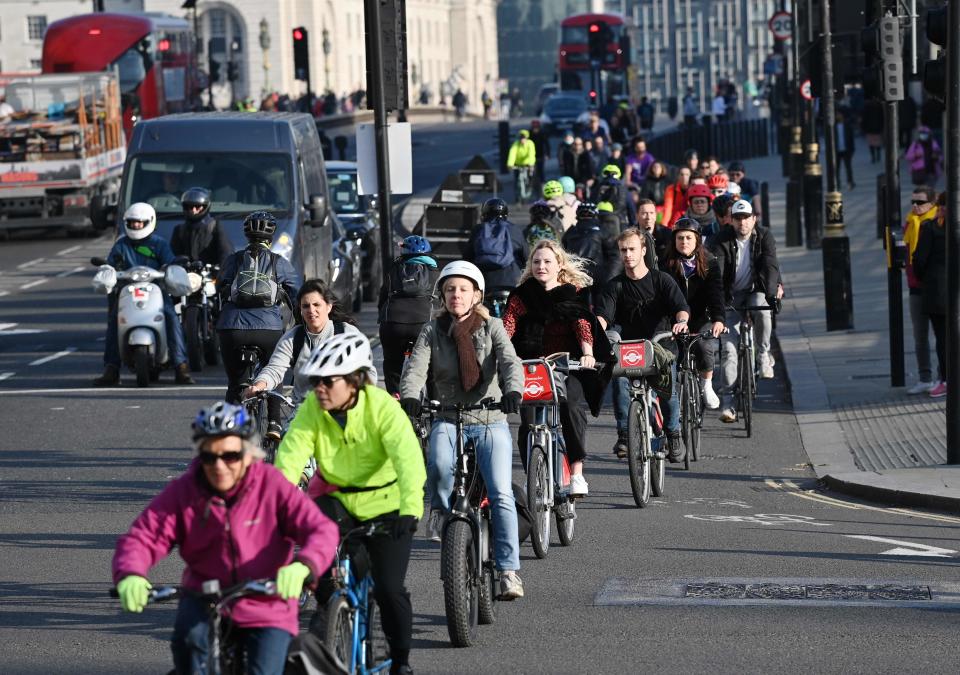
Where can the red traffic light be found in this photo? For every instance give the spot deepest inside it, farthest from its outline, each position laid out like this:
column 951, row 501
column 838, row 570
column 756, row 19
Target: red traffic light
column 297, row 34
column 593, row 94
column 594, row 27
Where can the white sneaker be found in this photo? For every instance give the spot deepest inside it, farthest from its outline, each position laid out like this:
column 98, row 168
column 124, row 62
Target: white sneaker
column 435, row 524
column 766, row 366
column 710, row 399
column 728, row 415
column 921, row 387
column 578, row 486
column 511, row 587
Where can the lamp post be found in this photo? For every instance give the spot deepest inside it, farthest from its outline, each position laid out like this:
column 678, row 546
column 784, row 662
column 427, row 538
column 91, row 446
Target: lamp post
column 327, row 48
column 265, row 48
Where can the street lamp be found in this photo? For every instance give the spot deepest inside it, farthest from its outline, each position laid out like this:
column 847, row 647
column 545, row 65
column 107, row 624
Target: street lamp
column 265, row 48
column 325, row 44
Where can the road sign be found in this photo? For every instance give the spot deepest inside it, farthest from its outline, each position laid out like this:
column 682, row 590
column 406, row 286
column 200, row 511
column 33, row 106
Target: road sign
column 781, row 25
column 806, row 91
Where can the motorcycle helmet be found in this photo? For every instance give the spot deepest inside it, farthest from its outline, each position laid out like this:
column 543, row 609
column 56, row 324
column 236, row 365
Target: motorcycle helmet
column 494, row 208
column 552, row 188
column 222, row 419
column 568, row 184
column 341, row 354
column 259, row 226
column 143, row 217
column 415, row 244
column 195, row 196
column 462, row 268
column 611, row 170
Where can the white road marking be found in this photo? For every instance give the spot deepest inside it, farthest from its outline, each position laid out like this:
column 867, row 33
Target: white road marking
column 69, row 250
column 5, row 326
column 34, row 283
column 142, row 390
column 69, row 272
column 906, row 547
column 53, row 357
column 23, row 331
column 133, row 407
column 758, row 518
column 3, row 293
column 30, row 263
column 59, row 407
column 5, row 376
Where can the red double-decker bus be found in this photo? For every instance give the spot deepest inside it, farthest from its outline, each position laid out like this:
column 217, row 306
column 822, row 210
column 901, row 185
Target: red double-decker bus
column 592, row 42
column 154, row 54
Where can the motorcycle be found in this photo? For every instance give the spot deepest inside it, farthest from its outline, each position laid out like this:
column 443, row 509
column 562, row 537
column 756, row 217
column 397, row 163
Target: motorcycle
column 198, row 314
column 141, row 330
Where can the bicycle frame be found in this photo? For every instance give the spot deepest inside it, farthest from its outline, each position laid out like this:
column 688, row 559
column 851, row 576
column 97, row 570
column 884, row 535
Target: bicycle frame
column 357, row 594
column 545, row 432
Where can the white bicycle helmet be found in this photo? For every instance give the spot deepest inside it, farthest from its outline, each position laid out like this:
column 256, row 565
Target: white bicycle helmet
column 140, row 212
column 341, row 355
column 462, row 268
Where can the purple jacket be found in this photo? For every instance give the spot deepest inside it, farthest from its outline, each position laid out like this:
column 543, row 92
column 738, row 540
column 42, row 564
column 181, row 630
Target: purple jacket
column 248, row 536
column 637, row 167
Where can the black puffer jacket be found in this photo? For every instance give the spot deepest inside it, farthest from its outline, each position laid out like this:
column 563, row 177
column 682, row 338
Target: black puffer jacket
column 586, row 239
column 930, row 266
column 202, row 241
column 704, row 295
column 763, row 251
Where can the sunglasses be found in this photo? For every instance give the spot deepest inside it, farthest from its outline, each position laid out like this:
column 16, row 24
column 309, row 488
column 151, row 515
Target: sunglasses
column 210, row 458
column 327, row 381
column 918, row 202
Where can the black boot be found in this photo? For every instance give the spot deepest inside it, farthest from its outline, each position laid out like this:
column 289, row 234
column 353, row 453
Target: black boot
column 182, row 375
column 674, row 452
column 621, row 447
column 110, row 377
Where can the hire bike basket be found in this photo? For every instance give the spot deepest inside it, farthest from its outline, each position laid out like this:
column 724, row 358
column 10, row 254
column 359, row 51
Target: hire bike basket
column 540, row 386
column 635, row 358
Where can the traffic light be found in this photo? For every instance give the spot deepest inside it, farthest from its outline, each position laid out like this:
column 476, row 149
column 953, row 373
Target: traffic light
column 393, row 51
column 593, row 97
column 598, row 36
column 935, row 71
column 891, row 59
column 214, row 67
column 233, row 71
column 301, row 54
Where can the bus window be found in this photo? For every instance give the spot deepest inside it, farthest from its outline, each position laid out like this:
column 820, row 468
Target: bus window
column 573, row 35
column 133, row 66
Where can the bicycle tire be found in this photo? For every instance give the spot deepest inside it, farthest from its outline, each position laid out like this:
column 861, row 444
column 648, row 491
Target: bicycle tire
column 566, row 526
column 697, row 424
column 486, row 609
column 537, row 501
column 686, row 419
column 638, row 454
column 746, row 398
column 375, row 647
column 338, row 630
column 658, row 474
column 460, row 599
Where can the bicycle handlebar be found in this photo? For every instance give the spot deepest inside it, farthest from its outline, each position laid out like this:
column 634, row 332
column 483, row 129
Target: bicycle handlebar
column 755, row 308
column 485, row 404
column 661, row 336
column 268, row 393
column 253, row 587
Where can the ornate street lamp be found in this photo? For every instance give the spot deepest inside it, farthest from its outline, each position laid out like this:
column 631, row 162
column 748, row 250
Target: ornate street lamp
column 265, row 48
column 327, row 47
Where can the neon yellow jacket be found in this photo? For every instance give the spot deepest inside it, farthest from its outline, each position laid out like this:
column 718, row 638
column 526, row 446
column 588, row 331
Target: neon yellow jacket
column 376, row 447
column 522, row 154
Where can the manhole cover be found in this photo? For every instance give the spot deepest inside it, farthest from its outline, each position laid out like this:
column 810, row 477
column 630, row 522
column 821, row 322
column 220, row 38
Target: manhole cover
column 801, row 592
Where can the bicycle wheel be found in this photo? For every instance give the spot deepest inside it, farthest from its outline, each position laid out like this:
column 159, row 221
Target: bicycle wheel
column 686, row 419
column 486, row 610
column 638, row 453
column 338, row 633
column 697, row 426
column 658, row 473
column 193, row 337
column 459, row 569
column 375, row 646
column 565, row 525
column 746, row 397
column 537, row 500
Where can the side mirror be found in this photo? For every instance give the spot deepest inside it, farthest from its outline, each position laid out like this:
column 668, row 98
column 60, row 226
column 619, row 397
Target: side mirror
column 317, row 210
column 373, row 203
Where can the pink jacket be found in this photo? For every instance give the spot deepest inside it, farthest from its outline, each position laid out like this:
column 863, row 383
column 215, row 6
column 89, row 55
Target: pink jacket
column 248, row 536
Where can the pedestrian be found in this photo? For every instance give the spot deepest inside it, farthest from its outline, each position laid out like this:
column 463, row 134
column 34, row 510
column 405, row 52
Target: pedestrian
column 655, row 186
column 925, row 158
column 638, row 162
column 645, row 114
column 691, row 108
column 907, row 120
column 459, row 103
column 675, row 197
column 872, row 126
column 923, row 208
column 930, row 267
column 844, row 144
column 719, row 107
column 541, row 145
column 487, row 103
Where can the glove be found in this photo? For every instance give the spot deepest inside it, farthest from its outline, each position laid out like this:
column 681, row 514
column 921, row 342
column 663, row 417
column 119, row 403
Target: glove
column 290, row 580
column 411, row 406
column 133, row 593
column 403, row 525
column 774, row 301
column 510, row 404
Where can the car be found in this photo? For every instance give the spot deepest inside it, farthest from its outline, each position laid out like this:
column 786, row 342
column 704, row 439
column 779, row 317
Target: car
column 546, row 91
column 560, row 113
column 361, row 220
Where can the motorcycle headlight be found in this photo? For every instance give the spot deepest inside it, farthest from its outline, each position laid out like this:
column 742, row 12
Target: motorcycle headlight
column 196, row 281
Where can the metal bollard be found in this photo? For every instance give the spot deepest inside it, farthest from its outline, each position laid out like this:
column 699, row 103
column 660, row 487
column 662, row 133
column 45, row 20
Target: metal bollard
column 503, row 144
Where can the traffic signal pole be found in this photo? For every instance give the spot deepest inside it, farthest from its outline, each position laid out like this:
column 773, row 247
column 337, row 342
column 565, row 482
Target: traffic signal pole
column 795, row 184
column 812, row 172
column 952, row 223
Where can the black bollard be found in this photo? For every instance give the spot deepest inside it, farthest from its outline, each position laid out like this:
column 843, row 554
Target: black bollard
column 341, row 143
column 503, row 144
column 837, row 282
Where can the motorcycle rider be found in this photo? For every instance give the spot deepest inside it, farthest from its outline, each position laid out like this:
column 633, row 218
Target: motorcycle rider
column 200, row 237
column 140, row 246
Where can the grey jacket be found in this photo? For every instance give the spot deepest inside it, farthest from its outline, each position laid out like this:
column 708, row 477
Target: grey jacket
column 435, row 354
column 276, row 369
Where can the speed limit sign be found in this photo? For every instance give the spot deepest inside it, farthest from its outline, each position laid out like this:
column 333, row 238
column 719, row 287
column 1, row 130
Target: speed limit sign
column 781, row 25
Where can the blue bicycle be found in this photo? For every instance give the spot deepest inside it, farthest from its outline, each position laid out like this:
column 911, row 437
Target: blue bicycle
column 353, row 632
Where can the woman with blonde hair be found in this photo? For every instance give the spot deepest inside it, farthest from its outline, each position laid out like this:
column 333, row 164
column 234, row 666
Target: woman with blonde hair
column 550, row 312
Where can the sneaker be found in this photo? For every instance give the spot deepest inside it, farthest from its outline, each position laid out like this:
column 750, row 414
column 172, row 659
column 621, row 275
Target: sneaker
column 674, row 453
column 578, row 486
column 939, row 390
column 274, row 432
column 728, row 415
column 710, row 399
column 921, row 387
column 766, row 366
column 110, row 377
column 511, row 587
column 620, row 448
column 435, row 524
column 182, row 375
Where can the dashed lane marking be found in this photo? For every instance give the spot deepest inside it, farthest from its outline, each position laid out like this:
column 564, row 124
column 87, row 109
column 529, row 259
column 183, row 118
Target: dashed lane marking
column 34, row 283
column 30, row 263
column 67, row 273
column 52, row 357
column 70, row 250
column 6, row 376
column 106, row 390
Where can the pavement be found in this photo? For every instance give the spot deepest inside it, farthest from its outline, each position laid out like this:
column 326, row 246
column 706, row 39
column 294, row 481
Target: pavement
column 863, row 436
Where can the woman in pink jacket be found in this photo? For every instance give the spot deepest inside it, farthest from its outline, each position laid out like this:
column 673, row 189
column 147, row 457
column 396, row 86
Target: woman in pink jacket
column 234, row 518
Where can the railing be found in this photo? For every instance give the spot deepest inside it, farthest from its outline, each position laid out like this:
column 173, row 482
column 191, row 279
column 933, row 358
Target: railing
column 738, row 139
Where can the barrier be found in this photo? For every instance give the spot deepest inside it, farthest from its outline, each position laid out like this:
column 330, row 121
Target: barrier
column 737, row 139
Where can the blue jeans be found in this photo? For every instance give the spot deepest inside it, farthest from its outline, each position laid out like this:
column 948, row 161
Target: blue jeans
column 175, row 341
column 494, row 446
column 266, row 648
column 621, row 405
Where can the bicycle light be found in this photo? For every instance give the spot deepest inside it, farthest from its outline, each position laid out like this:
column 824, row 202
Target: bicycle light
column 211, row 587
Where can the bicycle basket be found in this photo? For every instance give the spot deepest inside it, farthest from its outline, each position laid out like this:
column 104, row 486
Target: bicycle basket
column 635, row 358
column 539, row 384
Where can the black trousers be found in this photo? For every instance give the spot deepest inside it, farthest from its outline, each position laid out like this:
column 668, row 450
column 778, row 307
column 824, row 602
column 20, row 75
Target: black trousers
column 939, row 323
column 845, row 159
column 388, row 558
column 394, row 339
column 573, row 421
column 231, row 341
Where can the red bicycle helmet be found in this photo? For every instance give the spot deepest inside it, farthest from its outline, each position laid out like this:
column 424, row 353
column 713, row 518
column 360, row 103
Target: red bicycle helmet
column 699, row 190
column 717, row 181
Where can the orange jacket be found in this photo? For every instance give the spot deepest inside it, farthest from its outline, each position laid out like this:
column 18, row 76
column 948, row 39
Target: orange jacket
column 674, row 204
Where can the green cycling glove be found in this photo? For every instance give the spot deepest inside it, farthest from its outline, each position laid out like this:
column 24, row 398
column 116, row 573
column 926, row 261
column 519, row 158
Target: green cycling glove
column 133, row 591
column 290, row 580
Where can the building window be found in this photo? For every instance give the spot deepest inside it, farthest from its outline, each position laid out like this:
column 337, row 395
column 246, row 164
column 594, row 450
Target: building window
column 36, row 26
column 36, row 64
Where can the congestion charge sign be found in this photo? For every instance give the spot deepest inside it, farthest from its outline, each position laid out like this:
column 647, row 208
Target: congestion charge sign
column 781, row 25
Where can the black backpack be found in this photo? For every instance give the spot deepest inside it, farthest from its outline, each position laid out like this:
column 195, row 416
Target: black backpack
column 493, row 246
column 255, row 284
column 410, row 279
column 300, row 338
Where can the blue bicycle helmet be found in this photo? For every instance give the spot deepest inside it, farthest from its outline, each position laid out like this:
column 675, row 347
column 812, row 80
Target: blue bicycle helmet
column 222, row 419
column 415, row 244
column 569, row 186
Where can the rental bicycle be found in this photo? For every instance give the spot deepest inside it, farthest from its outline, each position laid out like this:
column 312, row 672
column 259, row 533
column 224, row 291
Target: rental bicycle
column 747, row 363
column 691, row 397
column 548, row 471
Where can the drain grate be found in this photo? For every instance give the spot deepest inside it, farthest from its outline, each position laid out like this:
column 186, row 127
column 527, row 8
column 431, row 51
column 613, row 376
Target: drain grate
column 721, row 591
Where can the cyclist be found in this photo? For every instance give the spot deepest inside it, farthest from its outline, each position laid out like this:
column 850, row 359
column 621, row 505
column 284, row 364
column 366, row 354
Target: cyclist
column 659, row 235
column 588, row 242
column 747, row 254
column 564, row 203
column 642, row 301
column 522, row 158
column 467, row 355
column 549, row 312
column 200, row 237
column 253, row 282
column 322, row 317
column 700, row 197
column 544, row 223
column 225, row 484
column 140, row 245
column 497, row 246
column 698, row 275
column 675, row 197
column 610, row 189
column 369, row 471
column 570, row 198
column 406, row 298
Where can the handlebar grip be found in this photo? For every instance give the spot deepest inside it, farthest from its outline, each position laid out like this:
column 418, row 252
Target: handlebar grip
column 114, row 593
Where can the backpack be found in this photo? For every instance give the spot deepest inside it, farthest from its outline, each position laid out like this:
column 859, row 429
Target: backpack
column 300, row 338
column 410, row 280
column 255, row 284
column 493, row 246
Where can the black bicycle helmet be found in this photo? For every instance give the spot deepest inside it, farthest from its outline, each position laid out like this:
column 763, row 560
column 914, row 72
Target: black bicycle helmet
column 687, row 225
column 222, row 419
column 494, row 208
column 195, row 196
column 541, row 210
column 259, row 226
column 587, row 210
column 722, row 203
